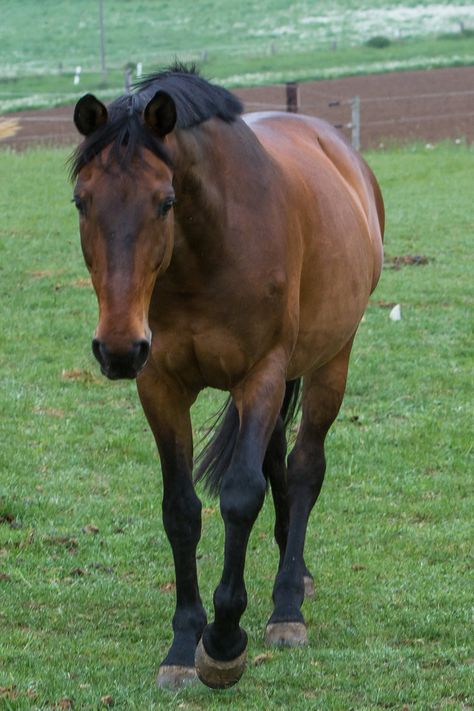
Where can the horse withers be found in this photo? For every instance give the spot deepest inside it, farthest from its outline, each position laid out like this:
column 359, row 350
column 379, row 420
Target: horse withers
column 234, row 252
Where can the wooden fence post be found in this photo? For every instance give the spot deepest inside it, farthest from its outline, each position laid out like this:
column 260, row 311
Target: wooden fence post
column 354, row 125
column 292, row 97
column 355, row 122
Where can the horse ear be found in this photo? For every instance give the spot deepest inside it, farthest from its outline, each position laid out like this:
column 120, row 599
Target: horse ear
column 160, row 114
column 89, row 114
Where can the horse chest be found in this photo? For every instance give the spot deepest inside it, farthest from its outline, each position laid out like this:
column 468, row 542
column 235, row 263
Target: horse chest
column 216, row 341
column 222, row 358
column 212, row 358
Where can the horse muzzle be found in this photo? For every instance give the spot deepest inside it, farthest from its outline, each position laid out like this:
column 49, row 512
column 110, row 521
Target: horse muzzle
column 124, row 363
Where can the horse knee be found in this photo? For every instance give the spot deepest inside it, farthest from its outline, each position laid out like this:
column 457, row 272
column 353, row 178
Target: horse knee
column 242, row 498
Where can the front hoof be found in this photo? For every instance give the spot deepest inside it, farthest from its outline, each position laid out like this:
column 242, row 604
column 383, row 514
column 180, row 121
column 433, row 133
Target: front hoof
column 286, row 634
column 173, row 676
column 216, row 674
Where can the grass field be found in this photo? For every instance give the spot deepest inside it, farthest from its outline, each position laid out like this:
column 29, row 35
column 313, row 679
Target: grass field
column 86, row 576
column 243, row 43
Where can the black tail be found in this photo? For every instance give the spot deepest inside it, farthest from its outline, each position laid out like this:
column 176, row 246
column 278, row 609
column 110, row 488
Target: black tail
column 215, row 457
column 291, row 402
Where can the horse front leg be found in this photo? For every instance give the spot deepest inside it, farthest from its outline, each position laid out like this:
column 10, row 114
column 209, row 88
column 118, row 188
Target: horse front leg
column 167, row 409
column 221, row 653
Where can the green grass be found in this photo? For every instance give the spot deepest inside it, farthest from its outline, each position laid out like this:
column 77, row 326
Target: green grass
column 86, row 613
column 240, row 44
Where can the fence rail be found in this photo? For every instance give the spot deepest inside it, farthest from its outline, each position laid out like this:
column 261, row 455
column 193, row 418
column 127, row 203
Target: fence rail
column 368, row 119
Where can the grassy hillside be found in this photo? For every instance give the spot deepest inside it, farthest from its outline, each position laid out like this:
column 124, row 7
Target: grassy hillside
column 245, row 43
column 86, row 575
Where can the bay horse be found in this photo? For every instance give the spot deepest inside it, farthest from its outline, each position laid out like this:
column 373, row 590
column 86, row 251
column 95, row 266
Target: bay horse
column 235, row 252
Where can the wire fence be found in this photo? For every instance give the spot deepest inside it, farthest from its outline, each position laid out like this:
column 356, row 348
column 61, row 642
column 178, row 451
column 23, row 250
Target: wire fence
column 402, row 116
column 368, row 119
column 308, row 109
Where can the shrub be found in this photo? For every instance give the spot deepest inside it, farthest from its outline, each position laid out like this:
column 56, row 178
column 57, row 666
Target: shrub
column 379, row 42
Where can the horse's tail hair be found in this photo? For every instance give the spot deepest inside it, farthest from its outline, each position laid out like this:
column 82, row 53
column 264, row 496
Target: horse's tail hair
column 291, row 402
column 215, row 457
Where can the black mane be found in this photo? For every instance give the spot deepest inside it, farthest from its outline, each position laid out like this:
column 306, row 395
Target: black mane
column 196, row 101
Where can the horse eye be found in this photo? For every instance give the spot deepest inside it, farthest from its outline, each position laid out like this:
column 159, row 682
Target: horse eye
column 79, row 204
column 165, row 206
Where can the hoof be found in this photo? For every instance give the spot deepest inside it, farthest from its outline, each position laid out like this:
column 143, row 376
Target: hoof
column 286, row 634
column 308, row 586
column 174, row 676
column 216, row 674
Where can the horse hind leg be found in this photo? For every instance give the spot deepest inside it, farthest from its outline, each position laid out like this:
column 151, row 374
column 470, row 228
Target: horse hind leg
column 275, row 472
column 322, row 397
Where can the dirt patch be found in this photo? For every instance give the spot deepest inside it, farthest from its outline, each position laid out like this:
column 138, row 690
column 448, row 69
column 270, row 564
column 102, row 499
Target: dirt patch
column 405, row 260
column 430, row 106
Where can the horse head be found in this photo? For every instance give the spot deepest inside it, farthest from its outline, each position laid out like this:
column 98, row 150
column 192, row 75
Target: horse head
column 124, row 196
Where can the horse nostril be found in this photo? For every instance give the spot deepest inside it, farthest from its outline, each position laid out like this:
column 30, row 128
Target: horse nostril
column 142, row 350
column 97, row 350
column 121, row 363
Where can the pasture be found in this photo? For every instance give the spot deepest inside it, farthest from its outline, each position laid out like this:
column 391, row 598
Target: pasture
column 242, row 44
column 86, row 574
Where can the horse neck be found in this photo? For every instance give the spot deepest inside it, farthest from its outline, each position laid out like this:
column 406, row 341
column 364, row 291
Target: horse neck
column 218, row 167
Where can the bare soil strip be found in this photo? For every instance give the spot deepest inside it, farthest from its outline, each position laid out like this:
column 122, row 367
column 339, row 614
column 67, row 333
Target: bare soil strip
column 430, row 106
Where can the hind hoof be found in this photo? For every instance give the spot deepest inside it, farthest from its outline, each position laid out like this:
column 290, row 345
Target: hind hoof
column 308, row 586
column 174, row 677
column 216, row 674
column 286, row 634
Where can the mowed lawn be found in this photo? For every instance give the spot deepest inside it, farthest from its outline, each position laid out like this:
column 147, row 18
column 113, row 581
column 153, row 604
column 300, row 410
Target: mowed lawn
column 86, row 574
